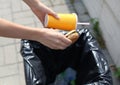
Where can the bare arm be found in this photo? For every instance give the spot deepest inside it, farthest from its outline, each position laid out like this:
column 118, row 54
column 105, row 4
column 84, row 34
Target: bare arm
column 40, row 10
column 47, row 37
column 12, row 30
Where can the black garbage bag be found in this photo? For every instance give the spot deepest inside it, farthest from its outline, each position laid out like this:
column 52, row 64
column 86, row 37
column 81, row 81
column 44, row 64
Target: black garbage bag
column 42, row 64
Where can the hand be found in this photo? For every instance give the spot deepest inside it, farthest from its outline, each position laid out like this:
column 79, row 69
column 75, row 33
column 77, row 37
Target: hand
column 40, row 9
column 53, row 39
column 48, row 37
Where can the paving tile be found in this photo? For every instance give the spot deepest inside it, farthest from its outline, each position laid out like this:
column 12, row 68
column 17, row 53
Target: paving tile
column 61, row 9
column 24, row 6
column 24, row 21
column 8, row 70
column 23, row 14
column 1, row 56
column 20, row 58
column 4, row 4
column 21, row 74
column 70, row 8
column 47, row 3
column 10, row 80
column 10, row 54
column 79, row 7
column 37, row 22
column 4, row 12
column 31, row 25
column 57, row 2
column 83, row 18
column 16, row 5
column 18, row 55
column 6, row 41
column 17, row 41
column 8, row 17
column 17, row 47
column 39, row 25
column 68, row 1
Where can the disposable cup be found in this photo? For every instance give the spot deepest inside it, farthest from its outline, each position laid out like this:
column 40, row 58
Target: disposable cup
column 66, row 22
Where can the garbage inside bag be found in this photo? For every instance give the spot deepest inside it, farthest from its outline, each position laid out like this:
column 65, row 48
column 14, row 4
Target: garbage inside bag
column 83, row 61
column 66, row 78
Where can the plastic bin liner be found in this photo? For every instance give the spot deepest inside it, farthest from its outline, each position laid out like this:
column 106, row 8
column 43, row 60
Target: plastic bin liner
column 43, row 65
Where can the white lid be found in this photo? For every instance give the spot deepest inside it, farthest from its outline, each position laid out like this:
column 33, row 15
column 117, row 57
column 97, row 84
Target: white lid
column 76, row 19
column 46, row 20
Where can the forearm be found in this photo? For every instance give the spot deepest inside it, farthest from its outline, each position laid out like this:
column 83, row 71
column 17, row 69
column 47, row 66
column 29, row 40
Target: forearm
column 40, row 10
column 32, row 3
column 12, row 30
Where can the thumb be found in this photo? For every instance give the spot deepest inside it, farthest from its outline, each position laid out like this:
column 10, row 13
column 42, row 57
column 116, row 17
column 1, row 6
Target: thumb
column 54, row 14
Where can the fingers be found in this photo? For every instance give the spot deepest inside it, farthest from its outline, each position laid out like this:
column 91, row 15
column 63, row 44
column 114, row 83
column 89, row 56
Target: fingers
column 55, row 15
column 53, row 39
column 52, row 13
column 58, row 46
column 62, row 42
column 59, row 42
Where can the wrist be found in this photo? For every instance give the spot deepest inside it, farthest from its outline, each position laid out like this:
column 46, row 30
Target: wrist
column 37, row 34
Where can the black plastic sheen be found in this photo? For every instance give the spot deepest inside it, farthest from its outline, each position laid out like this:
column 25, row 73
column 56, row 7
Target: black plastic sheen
column 43, row 64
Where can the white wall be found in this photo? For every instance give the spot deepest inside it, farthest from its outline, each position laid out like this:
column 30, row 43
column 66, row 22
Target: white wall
column 108, row 13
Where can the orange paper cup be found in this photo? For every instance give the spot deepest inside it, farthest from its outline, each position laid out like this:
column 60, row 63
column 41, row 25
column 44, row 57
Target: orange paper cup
column 66, row 22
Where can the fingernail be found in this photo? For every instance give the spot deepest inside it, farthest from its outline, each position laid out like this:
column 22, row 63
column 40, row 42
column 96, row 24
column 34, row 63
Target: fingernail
column 57, row 16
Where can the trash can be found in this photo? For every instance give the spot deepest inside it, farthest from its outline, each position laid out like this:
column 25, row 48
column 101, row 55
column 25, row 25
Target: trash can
column 42, row 65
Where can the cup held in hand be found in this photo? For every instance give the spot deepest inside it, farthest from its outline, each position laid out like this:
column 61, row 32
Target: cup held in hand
column 66, row 22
